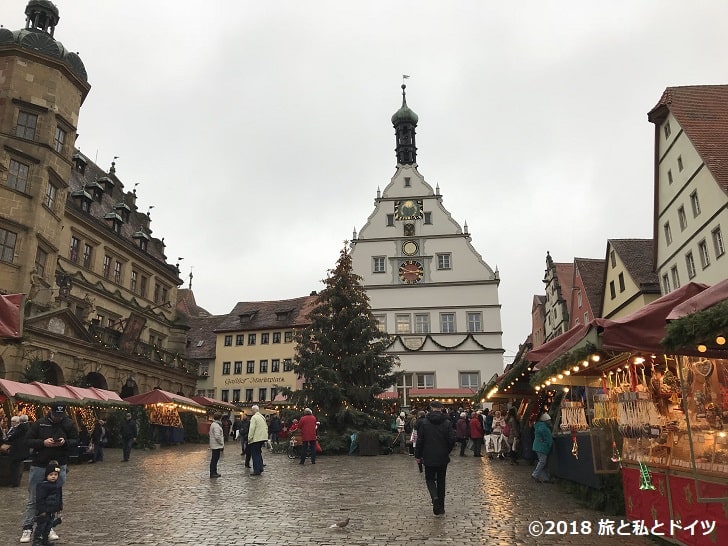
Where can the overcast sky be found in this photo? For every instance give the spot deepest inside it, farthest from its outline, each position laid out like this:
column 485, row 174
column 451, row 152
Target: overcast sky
column 260, row 131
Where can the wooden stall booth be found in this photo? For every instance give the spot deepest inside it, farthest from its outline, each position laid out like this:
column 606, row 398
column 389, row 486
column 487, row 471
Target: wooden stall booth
column 212, row 406
column 163, row 410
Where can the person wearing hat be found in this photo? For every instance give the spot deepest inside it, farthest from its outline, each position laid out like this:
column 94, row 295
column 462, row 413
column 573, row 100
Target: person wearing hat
column 435, row 440
column 542, row 442
column 48, row 503
column 129, row 433
column 52, row 438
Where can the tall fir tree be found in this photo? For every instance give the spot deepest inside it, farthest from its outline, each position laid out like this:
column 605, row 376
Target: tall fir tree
column 341, row 355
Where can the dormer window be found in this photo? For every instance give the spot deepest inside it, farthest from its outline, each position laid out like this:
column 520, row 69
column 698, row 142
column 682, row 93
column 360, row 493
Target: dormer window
column 83, row 200
column 107, row 183
column 114, row 221
column 282, row 315
column 95, row 189
column 142, row 238
column 247, row 317
column 123, row 210
column 79, row 163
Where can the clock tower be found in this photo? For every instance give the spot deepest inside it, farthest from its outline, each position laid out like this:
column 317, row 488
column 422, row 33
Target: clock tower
column 427, row 284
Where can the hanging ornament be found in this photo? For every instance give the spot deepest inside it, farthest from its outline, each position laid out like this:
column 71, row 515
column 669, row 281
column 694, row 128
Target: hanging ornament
column 616, row 457
column 645, row 478
column 575, row 446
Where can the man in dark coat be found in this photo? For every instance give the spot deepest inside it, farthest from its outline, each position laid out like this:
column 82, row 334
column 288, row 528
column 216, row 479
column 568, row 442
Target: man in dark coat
column 16, row 447
column 435, row 440
column 129, row 433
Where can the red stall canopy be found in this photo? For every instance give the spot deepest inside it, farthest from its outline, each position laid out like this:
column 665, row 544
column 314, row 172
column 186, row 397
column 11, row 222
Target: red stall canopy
column 45, row 394
column 11, row 319
column 211, row 402
column 709, row 297
column 158, row 396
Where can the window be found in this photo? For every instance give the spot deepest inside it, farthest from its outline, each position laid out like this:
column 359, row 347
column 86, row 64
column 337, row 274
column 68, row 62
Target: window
column 469, row 380
column 695, row 203
column 443, row 261
column 144, row 281
column 679, row 163
column 682, row 218
column 26, row 126
column 390, row 220
column 240, row 339
column 287, row 365
column 275, row 365
column 675, row 277
column 718, row 243
column 41, row 256
column 262, row 394
column 276, row 337
column 422, row 323
column 378, row 264
column 250, row 366
column 690, row 262
column 248, row 395
column 134, row 281
column 165, row 299
column 59, row 140
column 251, row 339
column 447, row 323
column 107, row 267
column 157, row 292
column 117, row 272
column 236, row 395
column 612, row 290
column 407, row 182
column 578, row 299
column 204, row 370
column 228, row 341
column 288, row 337
column 225, row 395
column 273, row 393
column 621, row 282
column 18, row 176
column 381, row 322
column 475, row 321
column 264, row 338
column 425, row 380
column 669, row 176
column 668, row 233
column 665, row 284
column 666, row 129
column 704, row 254
column 50, row 196
column 7, row 245
column 428, row 218
column 613, row 258
column 263, row 368
column 226, row 368
column 238, row 367
column 586, row 318
column 403, row 324
column 88, row 252
column 73, row 251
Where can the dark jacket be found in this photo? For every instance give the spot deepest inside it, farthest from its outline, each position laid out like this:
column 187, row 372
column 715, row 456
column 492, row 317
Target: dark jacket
column 488, row 424
column 48, row 497
column 45, row 428
column 18, row 444
column 100, row 435
column 275, row 424
column 435, row 439
column 462, row 430
column 129, row 429
column 244, row 429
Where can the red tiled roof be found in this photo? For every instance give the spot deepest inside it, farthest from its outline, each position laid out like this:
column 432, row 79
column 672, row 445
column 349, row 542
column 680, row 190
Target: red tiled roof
column 702, row 112
column 268, row 314
column 591, row 272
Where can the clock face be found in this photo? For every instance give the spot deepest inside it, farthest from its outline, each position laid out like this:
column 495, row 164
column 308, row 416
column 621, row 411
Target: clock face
column 410, row 248
column 409, row 209
column 411, row 272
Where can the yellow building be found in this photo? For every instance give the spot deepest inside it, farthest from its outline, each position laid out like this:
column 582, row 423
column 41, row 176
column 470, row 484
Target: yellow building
column 254, row 350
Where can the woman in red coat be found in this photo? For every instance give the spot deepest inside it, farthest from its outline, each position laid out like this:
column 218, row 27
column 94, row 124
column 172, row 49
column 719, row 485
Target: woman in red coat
column 476, row 435
column 308, row 425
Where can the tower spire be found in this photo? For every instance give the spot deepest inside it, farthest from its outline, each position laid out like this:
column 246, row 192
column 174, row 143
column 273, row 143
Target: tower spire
column 404, row 121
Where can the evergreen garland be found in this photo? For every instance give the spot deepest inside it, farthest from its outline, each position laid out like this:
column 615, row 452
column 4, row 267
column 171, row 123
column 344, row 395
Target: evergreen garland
column 565, row 361
column 700, row 327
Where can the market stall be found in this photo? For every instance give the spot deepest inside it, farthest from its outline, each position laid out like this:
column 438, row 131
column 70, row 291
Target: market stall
column 163, row 410
column 212, row 406
column 645, row 414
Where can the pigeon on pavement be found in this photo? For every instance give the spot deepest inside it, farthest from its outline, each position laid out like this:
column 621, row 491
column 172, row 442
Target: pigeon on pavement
column 340, row 524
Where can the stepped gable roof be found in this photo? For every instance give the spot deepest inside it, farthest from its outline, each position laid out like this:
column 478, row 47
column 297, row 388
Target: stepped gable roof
column 258, row 315
column 565, row 274
column 637, row 256
column 591, row 271
column 702, row 112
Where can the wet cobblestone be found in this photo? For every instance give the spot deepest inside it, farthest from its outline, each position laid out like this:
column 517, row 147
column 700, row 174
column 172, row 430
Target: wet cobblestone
column 165, row 497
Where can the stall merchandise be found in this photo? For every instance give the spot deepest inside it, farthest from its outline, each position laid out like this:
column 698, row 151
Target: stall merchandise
column 163, row 409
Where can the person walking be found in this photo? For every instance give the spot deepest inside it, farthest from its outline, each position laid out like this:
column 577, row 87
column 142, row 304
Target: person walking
column 257, row 436
column 497, row 433
column 435, row 440
column 48, row 504
column 415, row 431
column 16, row 447
column 99, row 437
column 488, row 432
column 217, row 443
column 243, row 430
column 129, row 433
column 514, row 434
column 308, row 425
column 51, row 438
column 542, row 443
column 462, row 432
column 476, row 435
column 274, row 428
column 400, row 422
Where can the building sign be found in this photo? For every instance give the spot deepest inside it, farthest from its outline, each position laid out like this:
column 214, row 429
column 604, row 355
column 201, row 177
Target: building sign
column 255, row 380
column 132, row 330
column 412, row 343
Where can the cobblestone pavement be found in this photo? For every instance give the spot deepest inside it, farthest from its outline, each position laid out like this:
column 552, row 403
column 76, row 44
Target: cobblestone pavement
column 165, row 497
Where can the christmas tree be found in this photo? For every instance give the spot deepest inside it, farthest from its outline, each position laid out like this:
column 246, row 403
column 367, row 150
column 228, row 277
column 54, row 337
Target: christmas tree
column 341, row 355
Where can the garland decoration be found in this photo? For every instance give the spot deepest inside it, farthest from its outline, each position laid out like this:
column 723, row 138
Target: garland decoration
column 567, row 360
column 698, row 327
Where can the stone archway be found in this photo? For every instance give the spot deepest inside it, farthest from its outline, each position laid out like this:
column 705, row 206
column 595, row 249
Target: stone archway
column 129, row 388
column 52, row 373
column 97, row 380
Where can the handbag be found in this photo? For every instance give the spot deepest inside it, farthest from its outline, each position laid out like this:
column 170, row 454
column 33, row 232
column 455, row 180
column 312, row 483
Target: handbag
column 318, row 447
column 506, row 430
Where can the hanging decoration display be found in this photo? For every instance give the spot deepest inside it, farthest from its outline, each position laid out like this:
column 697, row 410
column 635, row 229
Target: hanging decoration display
column 645, row 478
